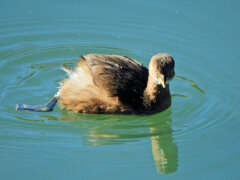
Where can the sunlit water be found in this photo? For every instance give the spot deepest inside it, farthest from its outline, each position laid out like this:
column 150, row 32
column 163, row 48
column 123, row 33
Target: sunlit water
column 196, row 138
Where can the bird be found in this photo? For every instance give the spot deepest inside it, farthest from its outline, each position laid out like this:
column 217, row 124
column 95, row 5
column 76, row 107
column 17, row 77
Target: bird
column 115, row 84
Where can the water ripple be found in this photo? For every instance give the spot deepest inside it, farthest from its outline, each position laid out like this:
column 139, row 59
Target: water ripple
column 32, row 52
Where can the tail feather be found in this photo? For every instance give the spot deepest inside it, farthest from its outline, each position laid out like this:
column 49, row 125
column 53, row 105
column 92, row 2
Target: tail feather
column 66, row 69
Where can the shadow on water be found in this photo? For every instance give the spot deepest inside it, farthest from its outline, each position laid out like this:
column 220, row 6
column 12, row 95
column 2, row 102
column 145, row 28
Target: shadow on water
column 102, row 130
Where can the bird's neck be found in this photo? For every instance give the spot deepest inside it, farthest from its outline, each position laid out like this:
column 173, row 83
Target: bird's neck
column 155, row 97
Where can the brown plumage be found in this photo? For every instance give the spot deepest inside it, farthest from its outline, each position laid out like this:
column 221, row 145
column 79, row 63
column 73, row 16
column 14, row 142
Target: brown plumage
column 117, row 84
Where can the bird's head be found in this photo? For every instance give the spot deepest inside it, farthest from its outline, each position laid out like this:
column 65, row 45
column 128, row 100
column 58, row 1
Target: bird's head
column 161, row 69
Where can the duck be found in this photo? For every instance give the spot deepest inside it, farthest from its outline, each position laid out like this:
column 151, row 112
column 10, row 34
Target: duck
column 114, row 84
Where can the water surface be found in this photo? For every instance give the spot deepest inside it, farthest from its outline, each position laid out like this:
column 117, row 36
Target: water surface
column 196, row 138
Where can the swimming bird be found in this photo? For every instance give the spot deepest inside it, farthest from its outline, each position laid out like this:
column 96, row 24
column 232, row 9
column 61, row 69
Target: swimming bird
column 117, row 84
column 103, row 83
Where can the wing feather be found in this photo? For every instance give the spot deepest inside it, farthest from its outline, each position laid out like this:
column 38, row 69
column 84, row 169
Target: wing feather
column 120, row 76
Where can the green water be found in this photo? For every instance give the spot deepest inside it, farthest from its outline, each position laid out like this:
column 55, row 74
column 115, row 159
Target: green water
column 196, row 138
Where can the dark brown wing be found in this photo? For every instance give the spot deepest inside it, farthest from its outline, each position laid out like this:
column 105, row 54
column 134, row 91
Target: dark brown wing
column 121, row 76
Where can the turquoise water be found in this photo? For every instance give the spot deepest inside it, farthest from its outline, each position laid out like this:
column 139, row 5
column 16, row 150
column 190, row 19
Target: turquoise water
column 196, row 138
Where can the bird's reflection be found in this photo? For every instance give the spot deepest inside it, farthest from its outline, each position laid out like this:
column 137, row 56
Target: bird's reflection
column 101, row 130
column 164, row 150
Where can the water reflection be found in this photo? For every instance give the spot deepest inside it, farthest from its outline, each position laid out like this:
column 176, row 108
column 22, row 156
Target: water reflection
column 101, row 130
column 164, row 150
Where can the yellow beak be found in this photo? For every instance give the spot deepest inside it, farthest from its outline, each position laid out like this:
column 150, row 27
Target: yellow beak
column 161, row 79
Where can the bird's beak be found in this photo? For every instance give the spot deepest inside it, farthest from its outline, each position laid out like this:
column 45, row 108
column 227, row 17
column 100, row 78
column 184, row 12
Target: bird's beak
column 162, row 80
